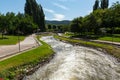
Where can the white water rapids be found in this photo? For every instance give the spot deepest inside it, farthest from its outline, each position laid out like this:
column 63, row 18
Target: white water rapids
column 76, row 63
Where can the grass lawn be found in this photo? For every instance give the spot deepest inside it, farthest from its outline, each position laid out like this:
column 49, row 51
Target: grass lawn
column 28, row 58
column 106, row 38
column 110, row 49
column 9, row 40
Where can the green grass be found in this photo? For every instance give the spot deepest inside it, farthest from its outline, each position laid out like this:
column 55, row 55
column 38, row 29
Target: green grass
column 9, row 40
column 110, row 49
column 28, row 58
column 115, row 39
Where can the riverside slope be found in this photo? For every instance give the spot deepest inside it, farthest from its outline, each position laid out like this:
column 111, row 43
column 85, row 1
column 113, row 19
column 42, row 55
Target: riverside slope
column 76, row 63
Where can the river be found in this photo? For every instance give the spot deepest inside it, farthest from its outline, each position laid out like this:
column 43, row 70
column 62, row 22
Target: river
column 76, row 63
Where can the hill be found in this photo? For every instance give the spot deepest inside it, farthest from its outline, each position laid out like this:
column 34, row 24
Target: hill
column 65, row 22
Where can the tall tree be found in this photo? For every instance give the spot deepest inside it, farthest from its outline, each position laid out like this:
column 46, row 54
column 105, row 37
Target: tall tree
column 96, row 5
column 36, row 11
column 104, row 4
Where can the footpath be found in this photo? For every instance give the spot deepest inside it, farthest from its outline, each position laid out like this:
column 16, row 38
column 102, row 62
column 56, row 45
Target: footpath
column 28, row 43
column 107, row 42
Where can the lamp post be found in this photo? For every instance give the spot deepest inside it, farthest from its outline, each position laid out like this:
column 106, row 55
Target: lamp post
column 18, row 40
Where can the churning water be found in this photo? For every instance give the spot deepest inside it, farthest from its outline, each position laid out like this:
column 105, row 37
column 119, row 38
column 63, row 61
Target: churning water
column 76, row 63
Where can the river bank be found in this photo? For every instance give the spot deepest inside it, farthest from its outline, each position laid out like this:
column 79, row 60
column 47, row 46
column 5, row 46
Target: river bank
column 30, row 71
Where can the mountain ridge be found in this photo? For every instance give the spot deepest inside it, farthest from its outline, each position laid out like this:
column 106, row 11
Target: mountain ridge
column 55, row 22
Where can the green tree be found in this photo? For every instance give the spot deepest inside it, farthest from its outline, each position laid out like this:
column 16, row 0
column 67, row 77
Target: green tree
column 3, row 25
column 36, row 11
column 64, row 28
column 75, row 25
column 104, row 4
column 10, row 16
column 49, row 26
column 115, row 10
column 25, row 24
column 96, row 5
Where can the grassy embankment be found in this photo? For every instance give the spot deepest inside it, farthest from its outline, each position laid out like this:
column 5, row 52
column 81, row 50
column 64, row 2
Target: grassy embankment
column 9, row 40
column 19, row 64
column 109, row 48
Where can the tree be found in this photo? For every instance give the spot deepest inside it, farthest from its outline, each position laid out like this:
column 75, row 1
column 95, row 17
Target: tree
column 49, row 26
column 115, row 10
column 36, row 11
column 25, row 24
column 75, row 26
column 3, row 24
column 54, row 26
column 104, row 4
column 96, row 5
column 64, row 28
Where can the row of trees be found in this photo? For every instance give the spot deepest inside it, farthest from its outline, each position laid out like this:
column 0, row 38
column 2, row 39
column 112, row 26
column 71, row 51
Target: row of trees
column 57, row 28
column 14, row 24
column 99, row 21
column 26, row 23
column 104, row 4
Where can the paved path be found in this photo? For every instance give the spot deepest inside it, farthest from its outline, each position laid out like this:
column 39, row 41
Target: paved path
column 102, row 41
column 108, row 42
column 10, row 50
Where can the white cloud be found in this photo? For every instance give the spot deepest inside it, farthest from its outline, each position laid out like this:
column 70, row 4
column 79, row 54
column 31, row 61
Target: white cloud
column 58, row 17
column 61, row 6
column 49, row 10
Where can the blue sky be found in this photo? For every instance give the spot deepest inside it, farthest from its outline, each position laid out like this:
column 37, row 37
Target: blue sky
column 53, row 9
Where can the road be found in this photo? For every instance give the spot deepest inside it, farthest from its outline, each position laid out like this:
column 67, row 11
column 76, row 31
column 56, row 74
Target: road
column 10, row 50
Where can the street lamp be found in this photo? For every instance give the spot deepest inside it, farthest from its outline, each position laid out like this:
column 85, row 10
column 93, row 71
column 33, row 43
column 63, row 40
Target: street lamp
column 19, row 40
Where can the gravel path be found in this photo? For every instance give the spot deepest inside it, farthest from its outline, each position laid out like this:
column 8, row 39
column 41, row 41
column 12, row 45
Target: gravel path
column 10, row 50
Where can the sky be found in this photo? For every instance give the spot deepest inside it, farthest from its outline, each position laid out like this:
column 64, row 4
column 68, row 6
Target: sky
column 54, row 9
